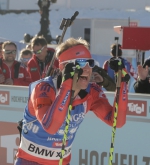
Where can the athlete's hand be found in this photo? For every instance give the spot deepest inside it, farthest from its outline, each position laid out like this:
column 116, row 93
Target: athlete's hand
column 69, row 71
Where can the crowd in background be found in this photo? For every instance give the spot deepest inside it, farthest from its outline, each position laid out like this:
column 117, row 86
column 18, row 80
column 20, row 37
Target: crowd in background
column 35, row 59
column 32, row 65
column 47, row 100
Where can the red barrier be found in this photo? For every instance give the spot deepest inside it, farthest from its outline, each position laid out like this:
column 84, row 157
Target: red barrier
column 137, row 38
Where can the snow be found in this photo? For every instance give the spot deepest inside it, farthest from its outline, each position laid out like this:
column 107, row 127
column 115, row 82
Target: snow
column 14, row 26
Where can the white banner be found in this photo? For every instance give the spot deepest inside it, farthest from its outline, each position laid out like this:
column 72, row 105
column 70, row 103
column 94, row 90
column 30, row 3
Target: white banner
column 93, row 139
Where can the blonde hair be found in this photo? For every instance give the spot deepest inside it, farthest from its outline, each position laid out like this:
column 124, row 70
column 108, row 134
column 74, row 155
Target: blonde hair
column 70, row 43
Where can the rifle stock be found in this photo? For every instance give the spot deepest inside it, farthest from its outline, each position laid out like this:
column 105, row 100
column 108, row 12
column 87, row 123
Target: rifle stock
column 64, row 25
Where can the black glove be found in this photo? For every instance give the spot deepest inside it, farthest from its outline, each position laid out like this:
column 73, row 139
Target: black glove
column 82, row 93
column 69, row 71
column 108, row 82
column 99, row 70
column 114, row 63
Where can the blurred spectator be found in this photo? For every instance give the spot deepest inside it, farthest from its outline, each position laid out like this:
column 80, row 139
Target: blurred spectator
column 142, row 85
column 1, row 49
column 126, row 63
column 41, row 59
column 146, row 62
column 25, row 56
column 11, row 73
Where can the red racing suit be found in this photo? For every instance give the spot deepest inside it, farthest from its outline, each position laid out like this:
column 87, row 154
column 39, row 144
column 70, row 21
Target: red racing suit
column 37, row 69
column 45, row 114
column 17, row 73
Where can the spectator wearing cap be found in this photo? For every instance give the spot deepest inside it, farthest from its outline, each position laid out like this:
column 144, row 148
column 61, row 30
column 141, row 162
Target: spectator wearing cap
column 41, row 59
column 126, row 63
column 11, row 72
column 25, row 56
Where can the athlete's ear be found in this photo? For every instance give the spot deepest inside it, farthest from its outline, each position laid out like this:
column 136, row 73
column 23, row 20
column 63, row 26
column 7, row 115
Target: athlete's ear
column 62, row 66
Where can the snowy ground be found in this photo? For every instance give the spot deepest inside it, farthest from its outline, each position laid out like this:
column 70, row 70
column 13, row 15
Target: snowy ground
column 13, row 26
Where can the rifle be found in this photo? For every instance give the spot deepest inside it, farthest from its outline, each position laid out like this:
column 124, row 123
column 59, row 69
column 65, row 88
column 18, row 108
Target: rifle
column 63, row 26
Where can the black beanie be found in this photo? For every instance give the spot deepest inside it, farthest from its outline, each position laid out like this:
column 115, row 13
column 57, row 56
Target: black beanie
column 113, row 50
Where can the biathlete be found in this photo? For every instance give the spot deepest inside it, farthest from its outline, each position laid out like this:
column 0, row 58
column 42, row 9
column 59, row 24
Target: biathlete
column 46, row 111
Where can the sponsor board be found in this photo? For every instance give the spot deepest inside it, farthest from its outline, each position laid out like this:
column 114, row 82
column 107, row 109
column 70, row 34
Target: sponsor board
column 9, row 142
column 88, row 157
column 137, row 108
column 92, row 140
column 4, row 97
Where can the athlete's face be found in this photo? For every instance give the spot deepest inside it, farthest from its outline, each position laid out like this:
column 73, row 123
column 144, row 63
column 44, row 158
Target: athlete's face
column 86, row 66
column 85, row 77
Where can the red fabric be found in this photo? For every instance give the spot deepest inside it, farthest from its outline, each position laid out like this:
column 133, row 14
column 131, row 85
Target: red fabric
column 40, row 110
column 96, row 102
column 34, row 106
column 34, row 69
column 78, row 51
column 56, row 64
column 23, row 76
column 103, row 110
column 55, row 121
column 96, row 99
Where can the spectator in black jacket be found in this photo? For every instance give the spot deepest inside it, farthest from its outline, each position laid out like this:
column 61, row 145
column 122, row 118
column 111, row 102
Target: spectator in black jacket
column 142, row 85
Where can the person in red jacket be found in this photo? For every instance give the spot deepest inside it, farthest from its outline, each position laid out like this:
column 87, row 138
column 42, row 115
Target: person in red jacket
column 11, row 73
column 46, row 114
column 41, row 59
